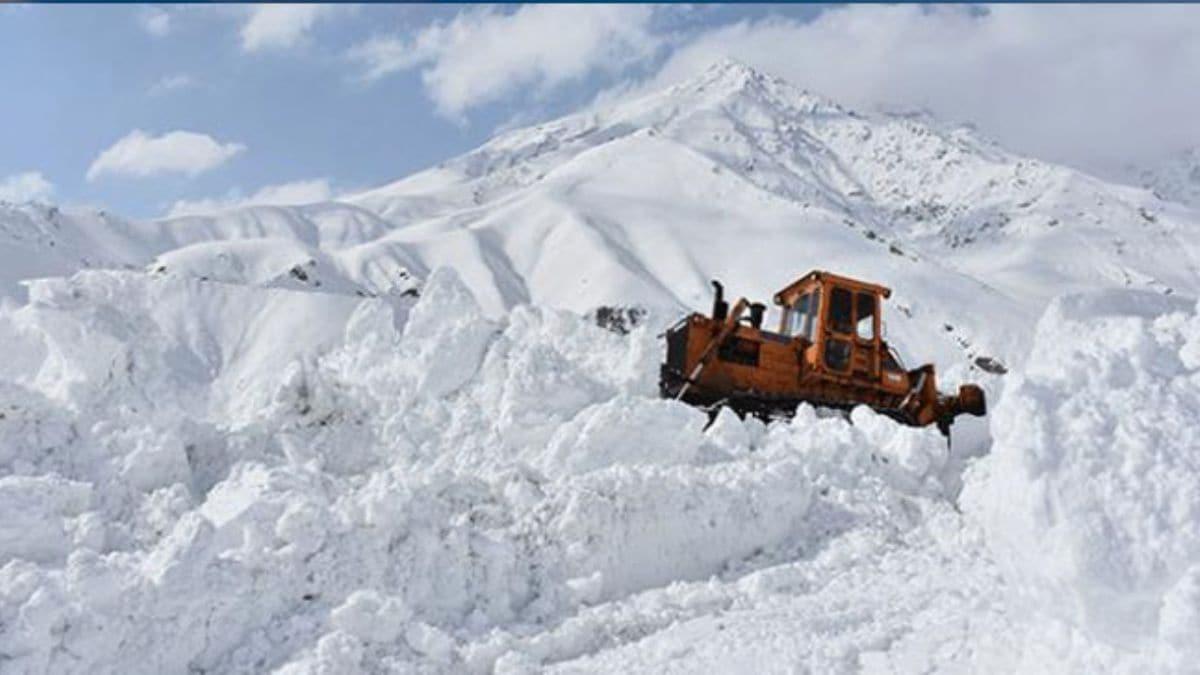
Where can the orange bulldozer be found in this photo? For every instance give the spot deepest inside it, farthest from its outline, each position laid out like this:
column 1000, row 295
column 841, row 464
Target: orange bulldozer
column 829, row 351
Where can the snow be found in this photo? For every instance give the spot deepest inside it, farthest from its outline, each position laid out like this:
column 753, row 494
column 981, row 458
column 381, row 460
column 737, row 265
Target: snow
column 387, row 435
column 1177, row 178
column 534, row 506
column 1094, row 458
column 257, row 528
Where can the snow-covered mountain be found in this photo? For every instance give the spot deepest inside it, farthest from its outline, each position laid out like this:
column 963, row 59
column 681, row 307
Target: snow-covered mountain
column 376, row 435
column 734, row 175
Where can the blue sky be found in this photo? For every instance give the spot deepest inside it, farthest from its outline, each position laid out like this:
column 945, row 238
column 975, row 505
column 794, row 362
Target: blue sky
column 147, row 108
column 92, row 74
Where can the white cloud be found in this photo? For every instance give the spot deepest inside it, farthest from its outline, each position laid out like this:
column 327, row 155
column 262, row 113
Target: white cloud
column 24, row 187
column 155, row 20
column 286, row 194
column 482, row 55
column 280, row 26
column 382, row 56
column 1094, row 86
column 141, row 154
column 171, row 83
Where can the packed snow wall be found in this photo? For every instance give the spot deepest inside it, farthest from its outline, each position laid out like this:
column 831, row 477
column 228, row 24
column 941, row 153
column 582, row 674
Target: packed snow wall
column 1090, row 498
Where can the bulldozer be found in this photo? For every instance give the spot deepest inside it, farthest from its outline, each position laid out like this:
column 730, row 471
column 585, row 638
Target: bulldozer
column 829, row 351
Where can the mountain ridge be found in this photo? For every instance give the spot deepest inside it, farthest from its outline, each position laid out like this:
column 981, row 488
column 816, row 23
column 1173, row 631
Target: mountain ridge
column 733, row 174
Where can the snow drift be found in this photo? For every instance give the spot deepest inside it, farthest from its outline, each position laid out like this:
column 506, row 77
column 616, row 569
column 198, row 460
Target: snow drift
column 1091, row 495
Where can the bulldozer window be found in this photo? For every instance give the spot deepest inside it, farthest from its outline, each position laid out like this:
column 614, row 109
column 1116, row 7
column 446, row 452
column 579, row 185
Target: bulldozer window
column 737, row 350
column 841, row 311
column 796, row 315
column 865, row 316
column 802, row 316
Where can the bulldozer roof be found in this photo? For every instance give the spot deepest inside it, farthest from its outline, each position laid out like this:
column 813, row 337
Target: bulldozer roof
column 785, row 295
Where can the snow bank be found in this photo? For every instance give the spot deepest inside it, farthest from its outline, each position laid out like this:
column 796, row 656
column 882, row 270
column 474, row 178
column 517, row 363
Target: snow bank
column 1091, row 496
column 198, row 475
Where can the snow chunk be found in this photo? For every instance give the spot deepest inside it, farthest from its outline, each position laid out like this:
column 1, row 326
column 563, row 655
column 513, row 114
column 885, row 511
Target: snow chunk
column 153, row 461
column 36, row 512
column 371, row 617
column 732, row 434
column 625, row 431
column 447, row 334
column 646, row 526
column 914, row 457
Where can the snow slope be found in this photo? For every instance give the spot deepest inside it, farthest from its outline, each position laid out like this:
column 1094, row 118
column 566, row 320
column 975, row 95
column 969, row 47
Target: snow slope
column 39, row 240
column 739, row 175
column 1176, row 179
column 380, row 435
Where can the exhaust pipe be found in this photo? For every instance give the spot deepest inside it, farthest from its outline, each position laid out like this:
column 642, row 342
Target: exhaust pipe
column 720, row 308
column 757, row 310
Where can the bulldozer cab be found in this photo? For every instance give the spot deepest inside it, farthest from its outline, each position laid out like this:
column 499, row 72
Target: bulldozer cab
column 838, row 320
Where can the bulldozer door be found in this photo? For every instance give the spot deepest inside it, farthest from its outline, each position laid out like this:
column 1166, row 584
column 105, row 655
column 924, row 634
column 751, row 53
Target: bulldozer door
column 851, row 344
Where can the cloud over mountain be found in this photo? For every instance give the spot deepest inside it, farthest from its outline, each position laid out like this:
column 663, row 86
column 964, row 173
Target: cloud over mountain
column 482, row 55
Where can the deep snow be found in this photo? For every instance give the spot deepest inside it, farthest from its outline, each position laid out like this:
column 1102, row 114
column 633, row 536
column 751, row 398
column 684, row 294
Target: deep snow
column 184, row 502
column 386, row 435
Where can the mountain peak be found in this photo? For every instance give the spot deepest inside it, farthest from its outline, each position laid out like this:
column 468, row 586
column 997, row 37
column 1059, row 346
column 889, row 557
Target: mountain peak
column 729, row 74
column 728, row 69
column 731, row 80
